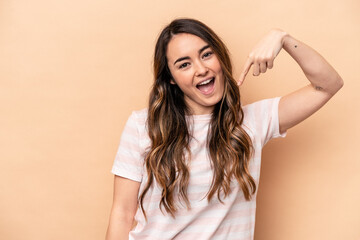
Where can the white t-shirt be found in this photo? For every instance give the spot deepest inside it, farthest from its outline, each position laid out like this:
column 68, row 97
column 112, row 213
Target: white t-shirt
column 232, row 219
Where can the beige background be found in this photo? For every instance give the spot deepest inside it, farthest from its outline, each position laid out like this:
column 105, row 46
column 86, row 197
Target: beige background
column 71, row 72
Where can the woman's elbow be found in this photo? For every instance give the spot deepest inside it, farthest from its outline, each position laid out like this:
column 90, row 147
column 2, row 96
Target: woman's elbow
column 339, row 83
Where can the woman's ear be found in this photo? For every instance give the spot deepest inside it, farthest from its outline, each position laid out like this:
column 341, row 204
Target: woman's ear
column 172, row 81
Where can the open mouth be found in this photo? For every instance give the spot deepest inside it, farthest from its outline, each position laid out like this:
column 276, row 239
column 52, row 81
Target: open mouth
column 206, row 86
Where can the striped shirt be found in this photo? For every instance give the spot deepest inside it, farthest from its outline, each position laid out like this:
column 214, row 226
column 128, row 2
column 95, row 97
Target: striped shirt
column 232, row 219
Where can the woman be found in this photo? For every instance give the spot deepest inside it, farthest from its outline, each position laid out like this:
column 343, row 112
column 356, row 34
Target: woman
column 188, row 166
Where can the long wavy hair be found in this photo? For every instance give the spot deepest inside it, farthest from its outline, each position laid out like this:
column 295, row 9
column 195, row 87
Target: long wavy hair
column 228, row 144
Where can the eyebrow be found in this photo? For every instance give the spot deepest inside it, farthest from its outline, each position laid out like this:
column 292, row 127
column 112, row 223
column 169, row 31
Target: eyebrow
column 184, row 58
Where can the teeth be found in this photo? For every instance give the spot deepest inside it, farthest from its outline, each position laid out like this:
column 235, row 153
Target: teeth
column 205, row 82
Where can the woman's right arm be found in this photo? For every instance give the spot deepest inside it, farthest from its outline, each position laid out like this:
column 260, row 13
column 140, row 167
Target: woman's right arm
column 123, row 210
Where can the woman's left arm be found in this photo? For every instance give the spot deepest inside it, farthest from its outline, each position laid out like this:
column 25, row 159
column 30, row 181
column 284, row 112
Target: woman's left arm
column 324, row 80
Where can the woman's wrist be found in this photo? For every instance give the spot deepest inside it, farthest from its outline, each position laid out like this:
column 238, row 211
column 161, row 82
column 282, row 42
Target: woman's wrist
column 281, row 34
column 290, row 43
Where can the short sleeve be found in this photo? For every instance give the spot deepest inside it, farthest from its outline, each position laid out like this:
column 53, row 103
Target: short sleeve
column 128, row 162
column 262, row 118
column 274, row 129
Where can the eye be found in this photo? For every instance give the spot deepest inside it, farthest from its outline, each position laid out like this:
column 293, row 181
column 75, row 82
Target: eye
column 184, row 65
column 207, row 54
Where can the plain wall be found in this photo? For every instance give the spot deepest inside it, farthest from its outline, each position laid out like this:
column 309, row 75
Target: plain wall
column 71, row 72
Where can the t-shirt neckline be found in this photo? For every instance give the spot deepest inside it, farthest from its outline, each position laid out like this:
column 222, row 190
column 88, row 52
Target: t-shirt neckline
column 200, row 117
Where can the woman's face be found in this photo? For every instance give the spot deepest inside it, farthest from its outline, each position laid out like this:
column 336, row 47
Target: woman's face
column 197, row 71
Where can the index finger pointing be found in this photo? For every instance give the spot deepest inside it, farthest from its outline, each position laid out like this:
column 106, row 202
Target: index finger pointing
column 245, row 71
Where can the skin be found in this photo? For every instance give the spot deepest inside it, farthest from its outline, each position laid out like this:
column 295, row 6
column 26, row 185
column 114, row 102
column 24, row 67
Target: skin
column 123, row 209
column 293, row 108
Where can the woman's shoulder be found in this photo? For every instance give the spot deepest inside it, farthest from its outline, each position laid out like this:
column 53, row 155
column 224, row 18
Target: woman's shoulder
column 139, row 116
column 261, row 119
column 259, row 112
column 136, row 122
column 142, row 113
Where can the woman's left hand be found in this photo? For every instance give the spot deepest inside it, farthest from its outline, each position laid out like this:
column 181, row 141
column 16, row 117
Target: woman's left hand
column 263, row 54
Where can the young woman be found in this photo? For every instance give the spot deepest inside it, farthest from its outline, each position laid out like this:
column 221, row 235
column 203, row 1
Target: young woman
column 188, row 166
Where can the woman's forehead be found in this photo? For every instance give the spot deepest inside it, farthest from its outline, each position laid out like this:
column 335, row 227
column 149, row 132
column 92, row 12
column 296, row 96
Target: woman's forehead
column 184, row 44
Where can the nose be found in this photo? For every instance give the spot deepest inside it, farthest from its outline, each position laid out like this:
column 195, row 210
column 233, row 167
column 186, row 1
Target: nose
column 201, row 69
